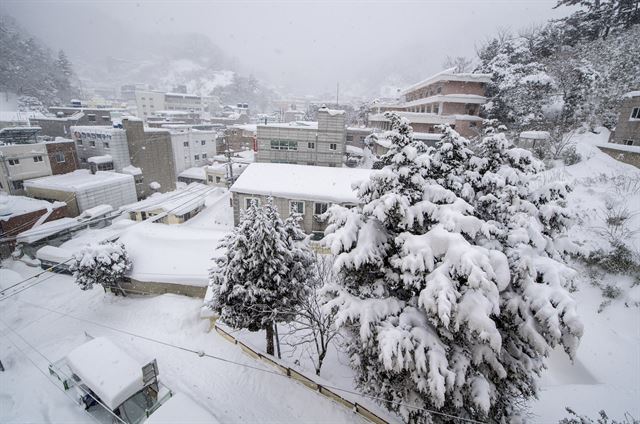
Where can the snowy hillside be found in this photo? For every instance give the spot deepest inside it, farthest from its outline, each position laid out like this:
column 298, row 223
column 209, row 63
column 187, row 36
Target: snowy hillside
column 606, row 373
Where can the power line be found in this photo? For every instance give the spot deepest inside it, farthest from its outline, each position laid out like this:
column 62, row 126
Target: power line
column 202, row 354
column 34, row 276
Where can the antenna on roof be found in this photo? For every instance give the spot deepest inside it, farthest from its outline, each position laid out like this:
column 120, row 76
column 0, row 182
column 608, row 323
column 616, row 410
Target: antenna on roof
column 337, row 93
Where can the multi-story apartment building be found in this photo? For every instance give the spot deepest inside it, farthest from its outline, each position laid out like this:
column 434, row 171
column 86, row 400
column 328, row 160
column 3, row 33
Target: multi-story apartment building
column 628, row 127
column 151, row 103
column 445, row 98
column 133, row 145
column 20, row 162
column 63, row 118
column 192, row 147
column 319, row 143
column 357, row 136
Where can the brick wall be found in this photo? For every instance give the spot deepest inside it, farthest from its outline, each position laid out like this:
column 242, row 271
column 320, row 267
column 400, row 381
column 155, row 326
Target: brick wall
column 17, row 224
column 69, row 155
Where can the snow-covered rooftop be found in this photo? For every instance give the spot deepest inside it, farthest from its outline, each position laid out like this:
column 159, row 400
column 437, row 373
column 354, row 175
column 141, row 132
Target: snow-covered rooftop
column 196, row 173
column 18, row 116
column 78, row 180
column 621, row 147
column 131, row 170
column 308, row 125
column 100, row 159
column 177, row 202
column 449, row 75
column 11, row 206
column 107, row 370
column 45, row 230
column 632, row 94
column 301, row 182
column 535, row 135
column 426, row 118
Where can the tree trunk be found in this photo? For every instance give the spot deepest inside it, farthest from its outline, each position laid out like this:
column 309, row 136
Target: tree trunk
column 270, row 338
column 275, row 327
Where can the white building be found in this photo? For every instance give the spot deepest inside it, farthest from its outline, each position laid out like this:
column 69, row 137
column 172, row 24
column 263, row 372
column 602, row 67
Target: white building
column 192, row 148
column 82, row 190
column 148, row 102
column 20, row 162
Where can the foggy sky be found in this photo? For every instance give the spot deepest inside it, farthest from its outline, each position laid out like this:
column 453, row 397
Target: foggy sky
column 300, row 46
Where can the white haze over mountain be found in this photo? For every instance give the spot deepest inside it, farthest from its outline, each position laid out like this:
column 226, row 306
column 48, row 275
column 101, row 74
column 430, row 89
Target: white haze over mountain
column 370, row 48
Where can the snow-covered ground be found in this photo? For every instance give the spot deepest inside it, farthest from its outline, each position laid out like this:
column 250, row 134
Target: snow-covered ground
column 232, row 393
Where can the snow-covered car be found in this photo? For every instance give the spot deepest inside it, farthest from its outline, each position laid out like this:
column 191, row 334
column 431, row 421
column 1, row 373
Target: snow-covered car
column 110, row 383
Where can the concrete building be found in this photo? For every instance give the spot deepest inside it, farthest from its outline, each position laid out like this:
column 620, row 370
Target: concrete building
column 148, row 102
column 628, row 127
column 319, row 143
column 307, row 190
column 445, row 98
column 147, row 149
column 61, row 119
column 220, row 175
column 82, row 190
column 151, row 103
column 192, row 147
column 356, row 136
column 21, row 162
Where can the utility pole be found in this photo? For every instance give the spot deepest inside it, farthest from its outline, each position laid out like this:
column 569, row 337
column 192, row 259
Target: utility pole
column 227, row 153
column 337, row 93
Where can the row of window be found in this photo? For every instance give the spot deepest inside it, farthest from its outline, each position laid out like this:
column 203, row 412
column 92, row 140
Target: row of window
column 293, row 145
column 197, row 157
column 81, row 135
column 295, row 206
column 59, row 157
column 202, row 143
column 92, row 143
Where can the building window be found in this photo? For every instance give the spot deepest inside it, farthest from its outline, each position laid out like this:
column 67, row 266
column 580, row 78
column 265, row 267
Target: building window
column 320, row 208
column 349, row 138
column 439, row 90
column 311, row 145
column 18, row 185
column 472, row 125
column 196, row 157
column 204, row 156
column 284, row 145
column 92, row 143
column 635, row 113
column 79, row 142
column 628, row 142
column 436, row 109
column 218, row 179
column 14, row 162
column 105, row 166
column 203, row 142
column 91, row 117
column 210, row 178
column 37, row 158
column 248, row 200
column 296, row 206
column 138, row 179
column 105, row 144
column 59, row 157
column 185, row 144
column 333, row 146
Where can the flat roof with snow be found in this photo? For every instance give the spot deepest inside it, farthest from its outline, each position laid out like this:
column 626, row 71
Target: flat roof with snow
column 449, row 75
column 176, row 202
column 78, row 180
column 301, row 182
column 181, row 409
column 107, row 370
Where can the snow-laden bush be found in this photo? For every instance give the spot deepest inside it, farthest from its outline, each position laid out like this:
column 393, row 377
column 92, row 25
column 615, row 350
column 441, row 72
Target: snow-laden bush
column 261, row 277
column 452, row 289
column 602, row 418
column 101, row 263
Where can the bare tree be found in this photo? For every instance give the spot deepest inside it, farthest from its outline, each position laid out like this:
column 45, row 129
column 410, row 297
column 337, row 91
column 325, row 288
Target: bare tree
column 461, row 63
column 616, row 225
column 313, row 330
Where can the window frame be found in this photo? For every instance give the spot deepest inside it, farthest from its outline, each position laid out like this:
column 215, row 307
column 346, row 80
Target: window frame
column 302, row 202
column 315, row 208
column 335, row 146
column 59, row 155
column 635, row 114
column 14, row 162
column 38, row 158
column 250, row 198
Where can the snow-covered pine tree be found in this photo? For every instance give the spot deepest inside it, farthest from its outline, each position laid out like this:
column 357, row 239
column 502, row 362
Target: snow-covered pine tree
column 428, row 297
column 256, row 282
column 101, row 263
